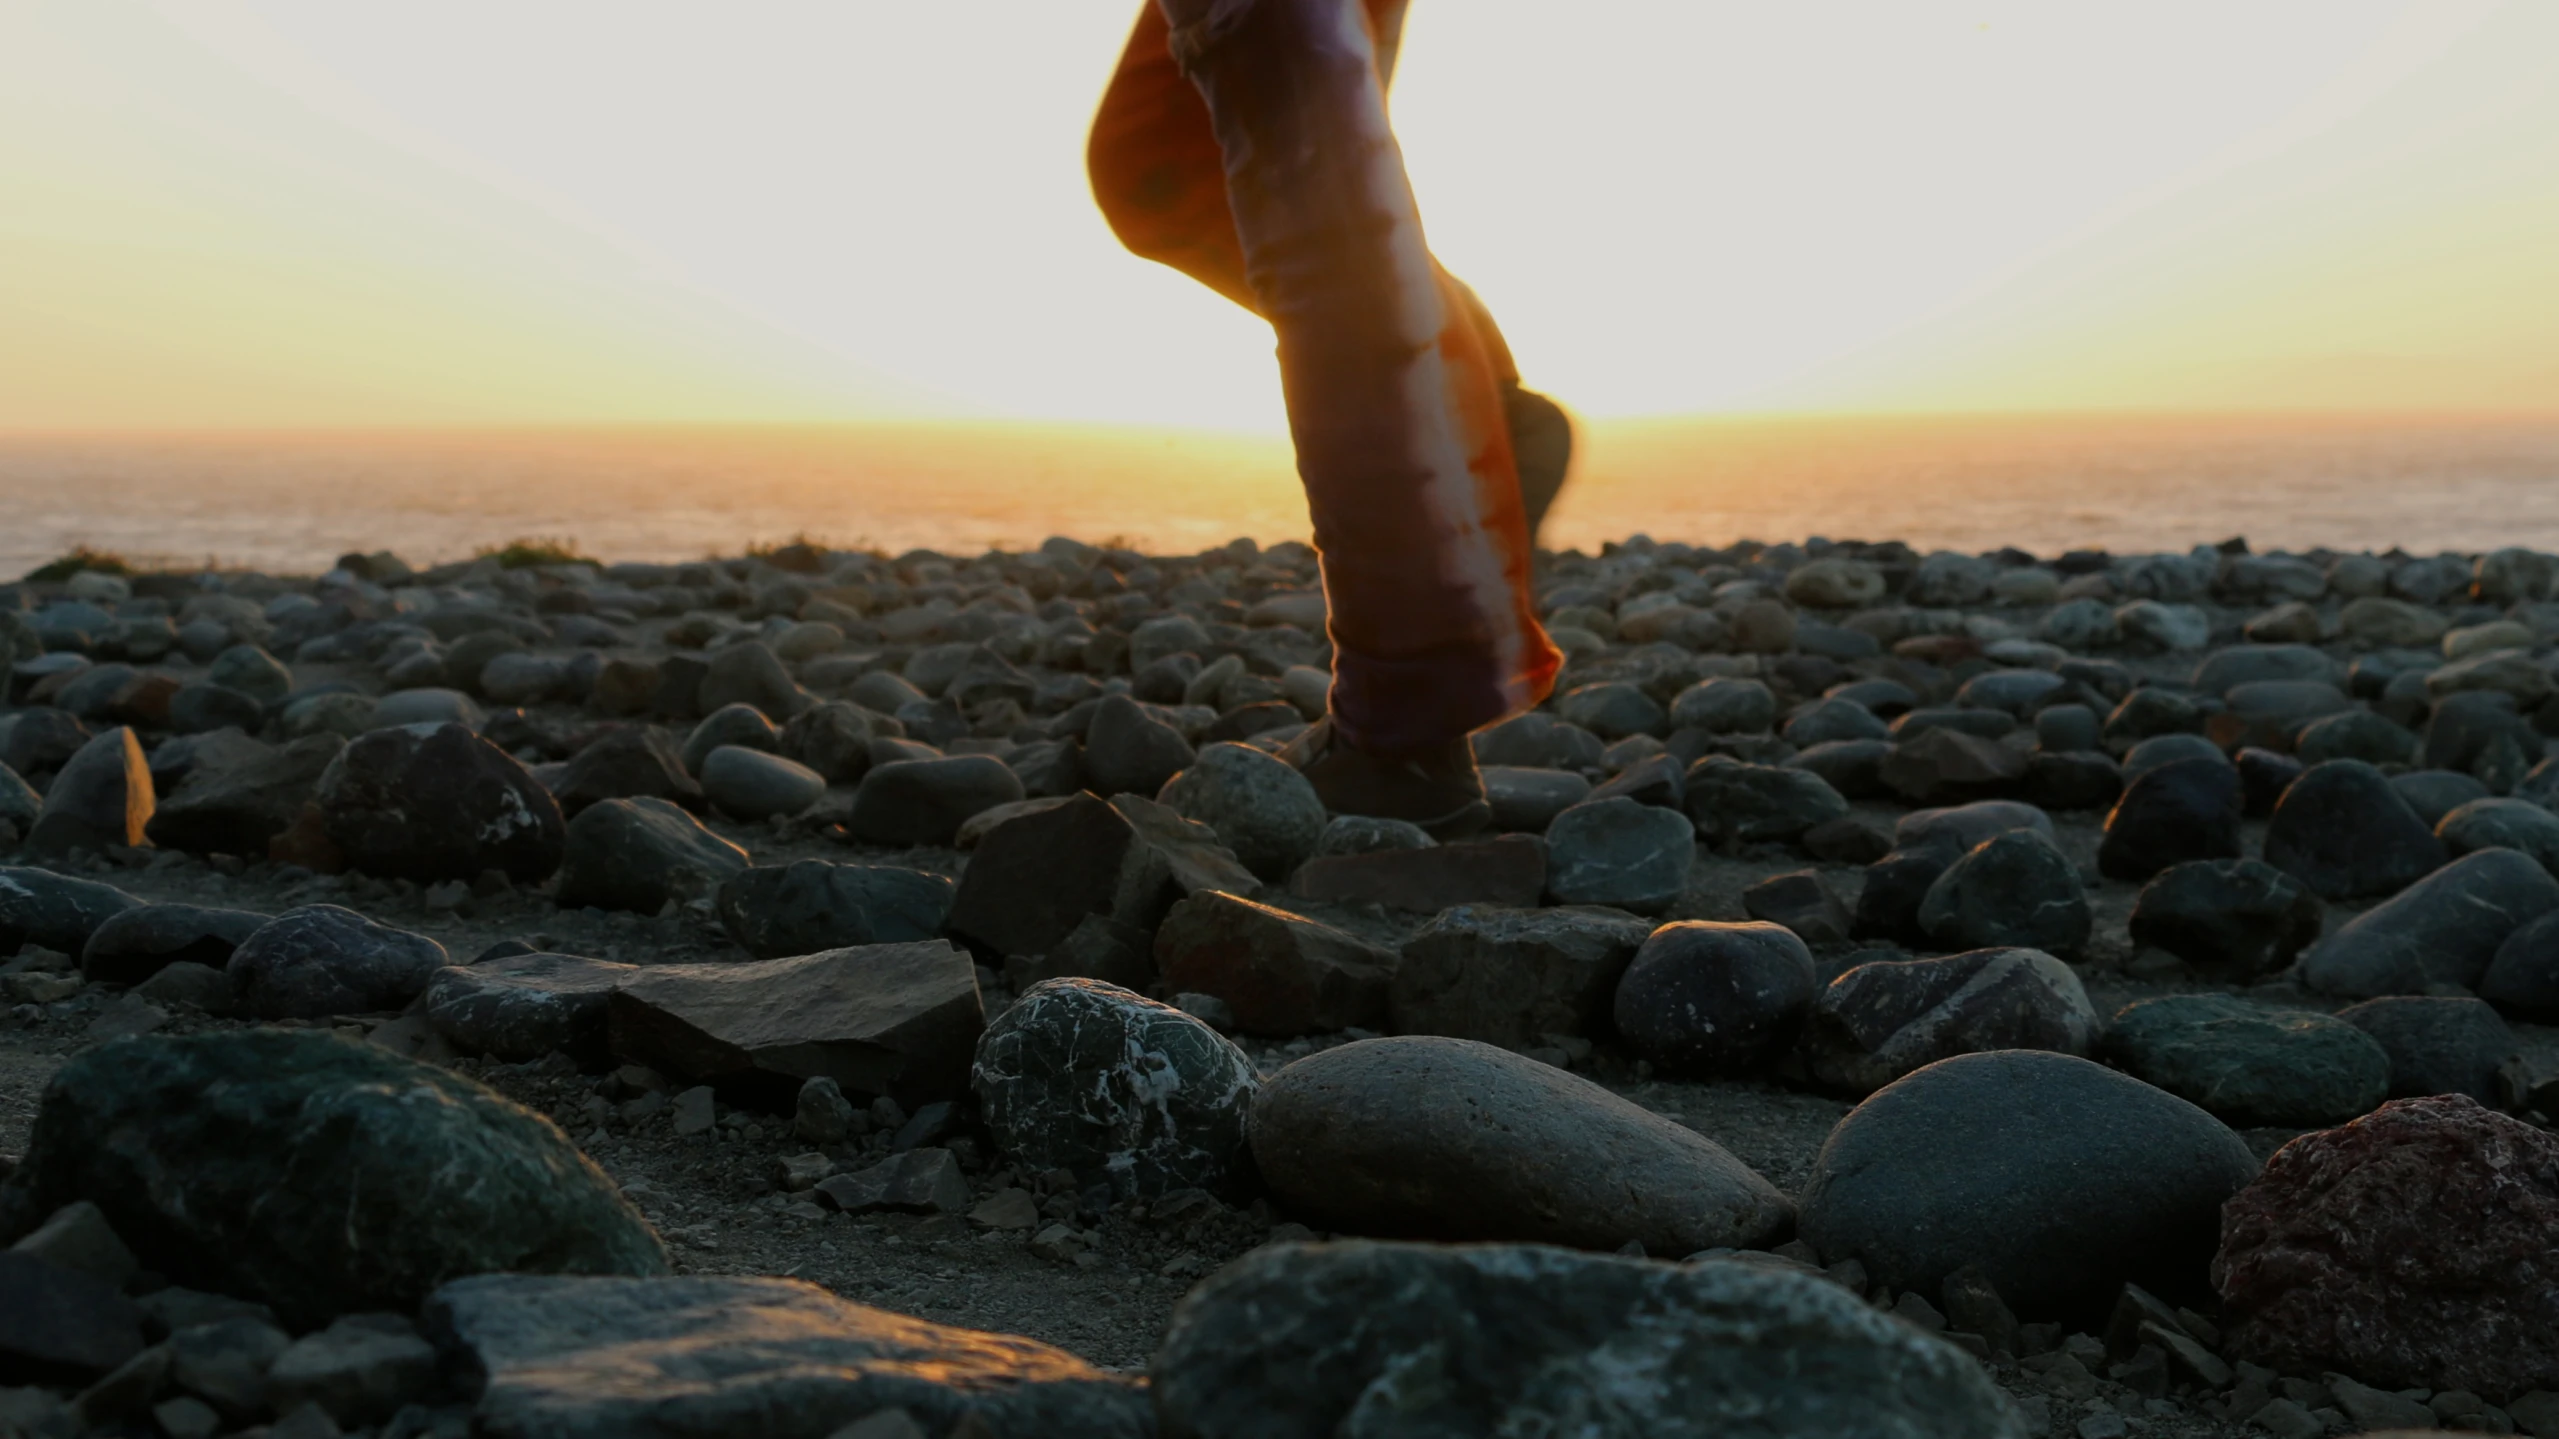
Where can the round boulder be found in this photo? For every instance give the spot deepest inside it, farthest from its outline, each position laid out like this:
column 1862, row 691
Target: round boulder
column 2059, row 1178
column 2248, row 1064
column 2183, row 810
column 2342, row 830
column 751, row 784
column 1708, row 997
column 925, row 801
column 2235, row 919
column 2438, row 1044
column 315, row 1175
column 2015, row 890
column 1085, row 1076
column 1259, row 805
column 1619, row 852
column 1453, row 1139
column 322, row 960
column 438, row 802
column 2445, row 929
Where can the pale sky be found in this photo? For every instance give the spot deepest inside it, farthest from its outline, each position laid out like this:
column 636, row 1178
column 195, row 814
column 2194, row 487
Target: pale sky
column 310, row 212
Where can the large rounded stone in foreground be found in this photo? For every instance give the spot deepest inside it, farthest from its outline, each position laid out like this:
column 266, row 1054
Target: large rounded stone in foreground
column 316, row 1175
column 2060, row 1178
column 1364, row 1338
column 1089, row 1077
column 1451, row 1139
column 1704, row 996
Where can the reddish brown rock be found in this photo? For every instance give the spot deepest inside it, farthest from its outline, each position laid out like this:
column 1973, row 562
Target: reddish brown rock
column 1509, row 872
column 2417, row 1246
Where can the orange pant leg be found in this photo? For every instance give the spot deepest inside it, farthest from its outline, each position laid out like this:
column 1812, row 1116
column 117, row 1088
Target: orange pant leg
column 1261, row 164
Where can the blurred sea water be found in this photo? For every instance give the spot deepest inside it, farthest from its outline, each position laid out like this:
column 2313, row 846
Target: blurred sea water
column 293, row 502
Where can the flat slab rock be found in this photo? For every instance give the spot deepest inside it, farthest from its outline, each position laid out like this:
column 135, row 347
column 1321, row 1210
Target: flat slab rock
column 1509, row 871
column 1376, row 1339
column 876, row 1018
column 693, row 1358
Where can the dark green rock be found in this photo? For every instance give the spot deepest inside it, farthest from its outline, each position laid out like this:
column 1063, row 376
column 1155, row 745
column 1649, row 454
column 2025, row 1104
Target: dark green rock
column 2232, row 918
column 316, row 1175
column 813, row 904
column 2344, row 831
column 1413, row 1341
column 1087, row 1076
column 2438, row 1044
column 2248, row 1064
column 2444, row 929
column 2015, row 890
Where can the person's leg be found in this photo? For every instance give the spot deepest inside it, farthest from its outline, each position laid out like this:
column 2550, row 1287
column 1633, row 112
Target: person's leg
column 1394, row 396
column 1160, row 181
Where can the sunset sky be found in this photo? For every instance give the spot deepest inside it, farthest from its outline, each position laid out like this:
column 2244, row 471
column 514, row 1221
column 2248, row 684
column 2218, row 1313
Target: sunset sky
column 312, row 213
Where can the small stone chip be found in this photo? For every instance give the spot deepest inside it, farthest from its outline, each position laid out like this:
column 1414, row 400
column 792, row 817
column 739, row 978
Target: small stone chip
column 1006, row 1209
column 694, row 1112
column 918, row 1181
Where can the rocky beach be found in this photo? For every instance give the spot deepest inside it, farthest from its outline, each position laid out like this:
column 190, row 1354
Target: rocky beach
column 837, row 995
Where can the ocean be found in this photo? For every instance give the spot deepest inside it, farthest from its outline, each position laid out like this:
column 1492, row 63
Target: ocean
column 292, row 502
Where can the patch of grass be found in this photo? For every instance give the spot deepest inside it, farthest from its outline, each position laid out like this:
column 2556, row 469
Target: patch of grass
column 802, row 553
column 527, row 552
column 81, row 558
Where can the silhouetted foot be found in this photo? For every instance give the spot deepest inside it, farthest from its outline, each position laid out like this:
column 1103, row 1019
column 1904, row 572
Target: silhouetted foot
column 1440, row 790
